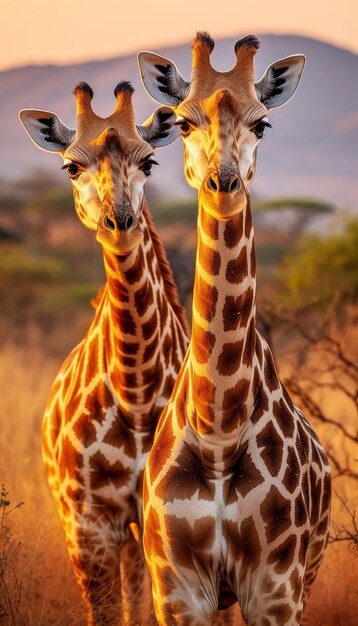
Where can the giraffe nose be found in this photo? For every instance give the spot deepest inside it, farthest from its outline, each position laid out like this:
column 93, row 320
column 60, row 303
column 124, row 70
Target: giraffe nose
column 120, row 221
column 211, row 183
column 225, row 182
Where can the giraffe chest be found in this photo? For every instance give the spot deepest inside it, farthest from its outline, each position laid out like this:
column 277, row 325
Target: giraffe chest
column 270, row 496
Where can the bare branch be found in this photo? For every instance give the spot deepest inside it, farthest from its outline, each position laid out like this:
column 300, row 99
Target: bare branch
column 344, row 533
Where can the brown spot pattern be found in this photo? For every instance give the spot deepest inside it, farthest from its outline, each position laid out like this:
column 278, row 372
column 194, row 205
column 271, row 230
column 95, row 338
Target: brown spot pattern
column 276, row 514
column 230, row 358
column 70, row 462
column 270, row 375
column 143, row 299
column 304, row 541
column 292, row 474
column 161, row 449
column 149, row 327
column 85, row 430
column 209, row 259
column 245, row 477
column 205, row 299
column 126, row 322
column 134, row 273
column 202, row 344
column 272, row 445
column 243, row 544
column 281, row 612
column 250, row 341
column 234, row 405
column 188, row 542
column 284, row 417
column 296, row 584
column 185, row 478
column 236, row 269
column 282, row 556
column 231, row 313
column 121, row 437
column 209, row 225
column 102, row 472
column 154, row 541
column 99, row 401
column 233, row 231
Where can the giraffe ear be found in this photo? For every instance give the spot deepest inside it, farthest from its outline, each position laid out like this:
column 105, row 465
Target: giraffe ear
column 280, row 81
column 162, row 79
column 46, row 130
column 159, row 129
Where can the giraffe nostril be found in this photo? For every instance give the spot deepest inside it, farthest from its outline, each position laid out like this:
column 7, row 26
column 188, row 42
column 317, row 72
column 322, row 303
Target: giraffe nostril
column 129, row 222
column 109, row 223
column 234, row 185
column 211, row 184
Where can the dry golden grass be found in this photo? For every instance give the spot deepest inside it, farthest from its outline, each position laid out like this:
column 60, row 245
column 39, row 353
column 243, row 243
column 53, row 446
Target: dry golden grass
column 49, row 592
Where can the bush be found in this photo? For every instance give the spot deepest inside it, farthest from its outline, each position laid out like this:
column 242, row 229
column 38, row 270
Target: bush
column 324, row 269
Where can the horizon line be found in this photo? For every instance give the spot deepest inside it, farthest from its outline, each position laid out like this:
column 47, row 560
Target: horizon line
column 133, row 52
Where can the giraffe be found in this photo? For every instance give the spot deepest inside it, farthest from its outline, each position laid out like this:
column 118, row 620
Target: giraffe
column 237, row 485
column 100, row 419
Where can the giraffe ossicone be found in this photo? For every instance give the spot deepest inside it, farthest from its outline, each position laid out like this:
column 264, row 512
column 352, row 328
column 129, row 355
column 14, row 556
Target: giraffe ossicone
column 107, row 397
column 237, row 484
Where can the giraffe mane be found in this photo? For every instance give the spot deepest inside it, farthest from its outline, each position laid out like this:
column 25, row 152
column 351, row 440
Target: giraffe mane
column 96, row 300
column 167, row 274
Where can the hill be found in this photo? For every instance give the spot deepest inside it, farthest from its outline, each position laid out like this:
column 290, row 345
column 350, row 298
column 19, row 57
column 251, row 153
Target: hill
column 311, row 151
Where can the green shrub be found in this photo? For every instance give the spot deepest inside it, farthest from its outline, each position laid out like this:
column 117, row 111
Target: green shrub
column 324, row 269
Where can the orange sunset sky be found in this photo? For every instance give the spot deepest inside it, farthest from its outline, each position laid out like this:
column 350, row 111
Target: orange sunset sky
column 64, row 31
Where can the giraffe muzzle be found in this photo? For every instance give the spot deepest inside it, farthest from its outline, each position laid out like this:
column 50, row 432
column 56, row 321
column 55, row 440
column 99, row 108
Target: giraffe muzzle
column 222, row 194
column 119, row 231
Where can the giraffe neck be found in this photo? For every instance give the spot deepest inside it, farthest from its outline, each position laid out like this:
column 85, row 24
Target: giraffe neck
column 223, row 341
column 134, row 317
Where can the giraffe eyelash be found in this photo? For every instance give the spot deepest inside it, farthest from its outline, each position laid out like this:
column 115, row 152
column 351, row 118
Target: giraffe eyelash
column 73, row 169
column 67, row 165
column 186, row 126
column 147, row 166
column 259, row 127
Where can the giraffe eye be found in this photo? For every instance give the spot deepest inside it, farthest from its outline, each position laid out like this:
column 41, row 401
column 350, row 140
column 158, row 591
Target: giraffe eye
column 73, row 170
column 184, row 126
column 259, row 128
column 146, row 167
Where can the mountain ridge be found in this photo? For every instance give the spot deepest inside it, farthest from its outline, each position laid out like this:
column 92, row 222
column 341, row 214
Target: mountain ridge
column 310, row 151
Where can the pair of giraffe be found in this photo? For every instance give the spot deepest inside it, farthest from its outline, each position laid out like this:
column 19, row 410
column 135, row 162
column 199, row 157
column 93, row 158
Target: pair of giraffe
column 236, row 491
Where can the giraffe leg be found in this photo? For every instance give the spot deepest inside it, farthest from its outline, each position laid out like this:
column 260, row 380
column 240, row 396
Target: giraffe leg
column 94, row 553
column 271, row 601
column 136, row 593
column 181, row 598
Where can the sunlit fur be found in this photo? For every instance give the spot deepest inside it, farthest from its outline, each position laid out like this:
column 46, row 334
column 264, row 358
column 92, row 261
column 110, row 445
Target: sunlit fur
column 222, row 137
column 107, row 397
column 109, row 153
column 221, row 112
column 237, row 484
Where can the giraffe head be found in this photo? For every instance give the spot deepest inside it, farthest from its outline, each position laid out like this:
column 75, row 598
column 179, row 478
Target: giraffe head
column 222, row 115
column 107, row 159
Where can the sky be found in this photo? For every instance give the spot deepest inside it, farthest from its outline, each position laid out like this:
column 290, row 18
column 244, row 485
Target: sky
column 65, row 31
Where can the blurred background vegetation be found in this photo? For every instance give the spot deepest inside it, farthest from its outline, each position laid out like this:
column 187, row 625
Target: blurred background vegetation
column 50, row 269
